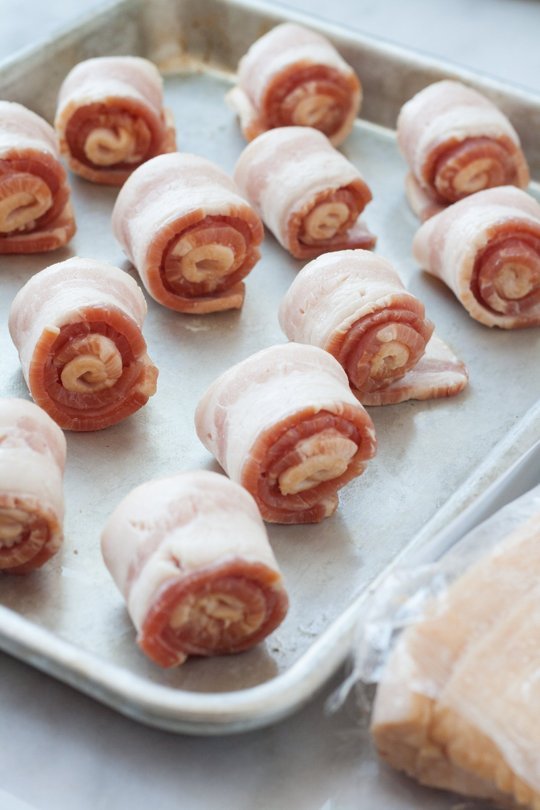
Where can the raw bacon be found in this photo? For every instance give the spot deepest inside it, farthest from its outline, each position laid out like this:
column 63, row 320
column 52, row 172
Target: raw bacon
column 77, row 328
column 110, row 117
column 295, row 77
column 191, row 557
column 35, row 208
column 305, row 191
column 456, row 706
column 456, row 143
column 32, row 458
column 285, row 425
column 352, row 304
column 189, row 232
column 487, row 250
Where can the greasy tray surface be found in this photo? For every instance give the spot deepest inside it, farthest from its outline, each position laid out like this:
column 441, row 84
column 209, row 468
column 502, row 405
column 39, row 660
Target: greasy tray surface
column 426, row 451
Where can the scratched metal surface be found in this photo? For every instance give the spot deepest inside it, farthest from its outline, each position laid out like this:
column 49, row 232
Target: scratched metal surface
column 434, row 458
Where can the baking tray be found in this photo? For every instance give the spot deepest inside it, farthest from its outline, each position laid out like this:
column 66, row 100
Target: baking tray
column 434, row 458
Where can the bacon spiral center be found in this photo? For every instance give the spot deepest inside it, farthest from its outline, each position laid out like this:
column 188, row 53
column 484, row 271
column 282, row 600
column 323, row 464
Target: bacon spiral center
column 205, row 259
column 103, row 138
column 105, row 147
column 22, row 536
column 90, row 363
column 320, row 458
column 471, row 166
column 507, row 276
column 23, row 199
column 332, row 214
column 311, row 97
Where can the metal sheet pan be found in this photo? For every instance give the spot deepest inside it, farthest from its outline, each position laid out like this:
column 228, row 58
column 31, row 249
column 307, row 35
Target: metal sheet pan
column 434, row 458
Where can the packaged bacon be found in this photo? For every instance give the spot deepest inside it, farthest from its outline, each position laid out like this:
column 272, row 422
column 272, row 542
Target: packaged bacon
column 32, row 459
column 191, row 557
column 35, row 207
column 191, row 235
column 454, row 648
column 77, row 328
column 486, row 248
column 293, row 76
column 456, row 143
column 306, row 192
column 110, row 117
column 353, row 304
column 285, row 425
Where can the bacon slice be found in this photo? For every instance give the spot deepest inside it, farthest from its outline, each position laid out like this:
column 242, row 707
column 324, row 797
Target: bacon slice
column 294, row 77
column 456, row 143
column 353, row 305
column 191, row 557
column 305, row 191
column 77, row 328
column 35, row 208
column 110, row 118
column 285, row 425
column 456, row 707
column 188, row 231
column 32, row 458
column 487, row 250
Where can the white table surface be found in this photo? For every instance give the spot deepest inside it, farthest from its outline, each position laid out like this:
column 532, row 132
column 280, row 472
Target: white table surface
column 63, row 751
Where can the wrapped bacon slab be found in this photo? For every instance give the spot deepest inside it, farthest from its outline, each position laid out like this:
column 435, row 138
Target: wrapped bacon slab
column 110, row 117
column 487, row 250
column 32, row 458
column 295, row 77
column 35, row 208
column 352, row 304
column 456, row 143
column 457, row 701
column 191, row 557
column 77, row 328
column 305, row 191
column 191, row 235
column 285, row 425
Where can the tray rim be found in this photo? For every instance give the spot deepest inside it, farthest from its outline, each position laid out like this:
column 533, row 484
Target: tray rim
column 225, row 712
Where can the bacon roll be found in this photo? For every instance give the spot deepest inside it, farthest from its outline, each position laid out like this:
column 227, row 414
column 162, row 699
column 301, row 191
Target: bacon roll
column 110, row 117
column 35, row 208
column 305, row 191
column 77, row 328
column 32, row 458
column 191, row 557
column 191, row 235
column 285, row 425
column 487, row 250
column 456, row 143
column 295, row 77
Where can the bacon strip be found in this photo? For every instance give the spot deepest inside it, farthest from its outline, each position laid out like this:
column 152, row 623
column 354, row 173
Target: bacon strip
column 35, row 208
column 188, row 231
column 110, row 118
column 285, row 425
column 77, row 328
column 191, row 557
column 32, row 458
column 294, row 77
column 487, row 250
column 305, row 191
column 456, row 143
column 456, row 707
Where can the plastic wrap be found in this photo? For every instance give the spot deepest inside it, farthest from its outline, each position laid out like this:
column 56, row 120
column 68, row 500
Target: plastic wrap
column 454, row 648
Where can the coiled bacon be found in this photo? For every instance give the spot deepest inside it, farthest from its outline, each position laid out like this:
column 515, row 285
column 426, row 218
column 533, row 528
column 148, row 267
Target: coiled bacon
column 456, row 143
column 486, row 248
column 32, row 458
column 189, row 232
column 305, row 191
column 292, row 76
column 35, row 208
column 77, row 328
column 191, row 558
column 285, row 425
column 110, row 117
